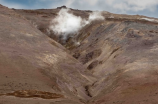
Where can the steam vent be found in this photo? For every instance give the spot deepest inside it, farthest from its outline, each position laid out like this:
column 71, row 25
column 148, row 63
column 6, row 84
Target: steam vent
column 69, row 56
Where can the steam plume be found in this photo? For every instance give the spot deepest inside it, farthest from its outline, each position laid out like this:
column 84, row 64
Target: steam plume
column 68, row 24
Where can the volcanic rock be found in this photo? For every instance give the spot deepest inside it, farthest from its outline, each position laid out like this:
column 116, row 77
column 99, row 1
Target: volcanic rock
column 115, row 62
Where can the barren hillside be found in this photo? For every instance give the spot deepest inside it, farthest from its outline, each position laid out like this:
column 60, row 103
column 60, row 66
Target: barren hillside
column 114, row 62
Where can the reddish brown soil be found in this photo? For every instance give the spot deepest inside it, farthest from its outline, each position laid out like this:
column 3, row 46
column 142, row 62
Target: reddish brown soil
column 116, row 62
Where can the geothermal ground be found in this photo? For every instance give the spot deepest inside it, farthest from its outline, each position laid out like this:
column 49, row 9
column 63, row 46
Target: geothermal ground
column 68, row 56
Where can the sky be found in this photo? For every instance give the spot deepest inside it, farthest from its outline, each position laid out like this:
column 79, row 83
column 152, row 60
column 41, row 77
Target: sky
column 133, row 7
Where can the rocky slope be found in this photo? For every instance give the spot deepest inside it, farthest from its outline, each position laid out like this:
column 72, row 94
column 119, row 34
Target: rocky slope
column 115, row 63
column 32, row 62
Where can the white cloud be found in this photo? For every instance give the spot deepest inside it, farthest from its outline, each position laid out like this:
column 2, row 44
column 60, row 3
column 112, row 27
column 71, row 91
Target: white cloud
column 134, row 5
column 91, row 2
column 69, row 2
column 144, row 7
column 116, row 6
